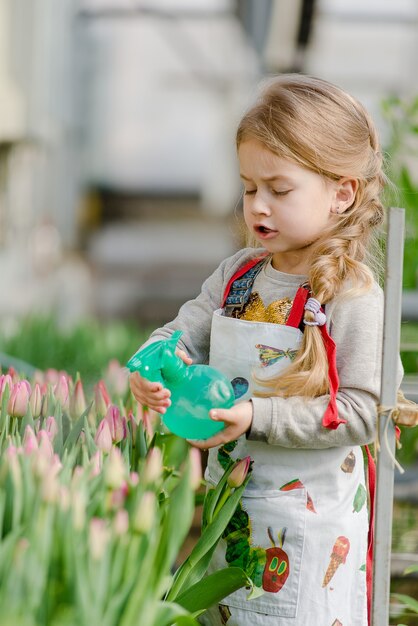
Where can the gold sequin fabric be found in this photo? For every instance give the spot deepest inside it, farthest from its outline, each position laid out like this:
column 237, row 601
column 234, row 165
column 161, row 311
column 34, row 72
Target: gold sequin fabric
column 276, row 313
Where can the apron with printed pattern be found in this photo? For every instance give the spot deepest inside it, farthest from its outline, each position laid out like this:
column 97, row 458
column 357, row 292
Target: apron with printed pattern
column 300, row 530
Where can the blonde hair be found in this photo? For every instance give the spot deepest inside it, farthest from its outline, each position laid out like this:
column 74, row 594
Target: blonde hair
column 322, row 128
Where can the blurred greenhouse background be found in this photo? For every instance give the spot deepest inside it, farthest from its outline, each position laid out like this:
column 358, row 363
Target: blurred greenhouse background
column 119, row 190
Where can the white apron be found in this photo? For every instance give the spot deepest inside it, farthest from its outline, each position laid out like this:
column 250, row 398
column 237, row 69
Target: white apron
column 301, row 529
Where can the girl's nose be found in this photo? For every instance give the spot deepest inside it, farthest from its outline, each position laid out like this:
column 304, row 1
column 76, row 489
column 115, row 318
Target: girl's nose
column 259, row 205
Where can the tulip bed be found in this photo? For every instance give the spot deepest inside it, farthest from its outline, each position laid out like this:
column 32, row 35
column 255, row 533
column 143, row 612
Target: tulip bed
column 96, row 501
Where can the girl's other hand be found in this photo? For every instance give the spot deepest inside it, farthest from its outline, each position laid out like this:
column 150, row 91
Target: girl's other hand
column 147, row 393
column 237, row 422
column 184, row 356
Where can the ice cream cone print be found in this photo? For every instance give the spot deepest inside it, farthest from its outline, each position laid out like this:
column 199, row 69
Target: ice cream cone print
column 338, row 556
column 337, row 623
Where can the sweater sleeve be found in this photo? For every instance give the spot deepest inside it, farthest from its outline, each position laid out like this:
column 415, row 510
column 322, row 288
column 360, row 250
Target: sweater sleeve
column 195, row 316
column 356, row 325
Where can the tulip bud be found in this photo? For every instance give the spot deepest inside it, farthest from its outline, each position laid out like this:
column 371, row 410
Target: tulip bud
column 52, row 376
column 103, row 437
column 98, row 537
column 101, row 398
column 195, row 468
column 131, row 420
column 78, row 508
column 117, row 424
column 121, row 522
column 19, row 400
column 50, row 487
column 118, row 496
column 145, row 415
column 239, row 473
column 153, row 466
column 145, row 513
column 134, row 478
column 13, row 374
column 45, row 446
column 5, row 381
column 96, row 463
column 35, row 401
column 61, row 392
column 64, row 498
column 77, row 401
column 51, row 427
column 117, row 377
column 115, row 470
column 30, row 442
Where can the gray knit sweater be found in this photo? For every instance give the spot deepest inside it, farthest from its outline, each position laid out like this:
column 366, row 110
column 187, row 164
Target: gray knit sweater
column 355, row 323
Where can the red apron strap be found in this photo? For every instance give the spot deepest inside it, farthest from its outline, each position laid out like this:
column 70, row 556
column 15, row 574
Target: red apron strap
column 298, row 307
column 330, row 418
column 242, row 270
column 371, row 473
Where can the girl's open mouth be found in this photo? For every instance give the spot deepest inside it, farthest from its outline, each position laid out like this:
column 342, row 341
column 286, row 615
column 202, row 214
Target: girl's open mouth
column 264, row 232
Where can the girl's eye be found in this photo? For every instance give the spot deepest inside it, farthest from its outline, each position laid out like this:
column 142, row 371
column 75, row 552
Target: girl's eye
column 283, row 192
column 249, row 192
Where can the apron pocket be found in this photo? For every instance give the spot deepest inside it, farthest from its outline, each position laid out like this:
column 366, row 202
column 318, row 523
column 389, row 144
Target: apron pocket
column 265, row 537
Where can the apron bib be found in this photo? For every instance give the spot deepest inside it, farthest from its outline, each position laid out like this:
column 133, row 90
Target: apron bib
column 300, row 531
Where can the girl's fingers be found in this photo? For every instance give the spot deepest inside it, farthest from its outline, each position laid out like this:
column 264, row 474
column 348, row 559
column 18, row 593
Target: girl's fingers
column 184, row 356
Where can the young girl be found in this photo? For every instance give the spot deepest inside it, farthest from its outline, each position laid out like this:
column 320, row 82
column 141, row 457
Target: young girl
column 297, row 326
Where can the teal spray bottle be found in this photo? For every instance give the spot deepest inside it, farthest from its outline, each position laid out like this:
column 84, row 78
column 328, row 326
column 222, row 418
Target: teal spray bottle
column 195, row 389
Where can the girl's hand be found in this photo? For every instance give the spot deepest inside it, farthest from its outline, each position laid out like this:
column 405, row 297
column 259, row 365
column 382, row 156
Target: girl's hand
column 237, row 421
column 153, row 394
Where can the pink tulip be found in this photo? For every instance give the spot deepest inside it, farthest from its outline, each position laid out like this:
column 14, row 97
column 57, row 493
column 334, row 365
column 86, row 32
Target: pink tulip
column 30, row 442
column 62, row 391
column 145, row 513
column 118, row 496
column 115, row 469
column 98, row 537
column 121, row 522
column 145, row 416
column 101, row 398
column 52, row 376
column 239, row 473
column 13, row 374
column 5, row 381
column 96, row 462
column 103, row 437
column 117, row 378
column 19, row 400
column 45, row 446
column 153, row 466
column 51, row 427
column 195, row 468
column 35, row 401
column 131, row 420
column 134, row 478
column 77, row 401
column 117, row 424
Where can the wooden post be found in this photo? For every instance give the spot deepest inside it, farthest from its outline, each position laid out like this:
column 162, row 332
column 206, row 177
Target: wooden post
column 386, row 429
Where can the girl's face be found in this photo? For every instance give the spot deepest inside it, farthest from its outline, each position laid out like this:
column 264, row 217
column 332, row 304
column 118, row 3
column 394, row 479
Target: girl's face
column 286, row 206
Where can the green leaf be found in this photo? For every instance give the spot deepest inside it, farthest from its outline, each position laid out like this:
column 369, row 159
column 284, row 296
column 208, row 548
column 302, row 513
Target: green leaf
column 169, row 613
column 211, row 589
column 209, row 538
column 411, row 569
column 409, row 602
column 177, row 521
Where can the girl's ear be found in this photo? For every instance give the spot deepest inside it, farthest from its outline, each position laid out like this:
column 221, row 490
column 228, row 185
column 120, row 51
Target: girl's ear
column 345, row 194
